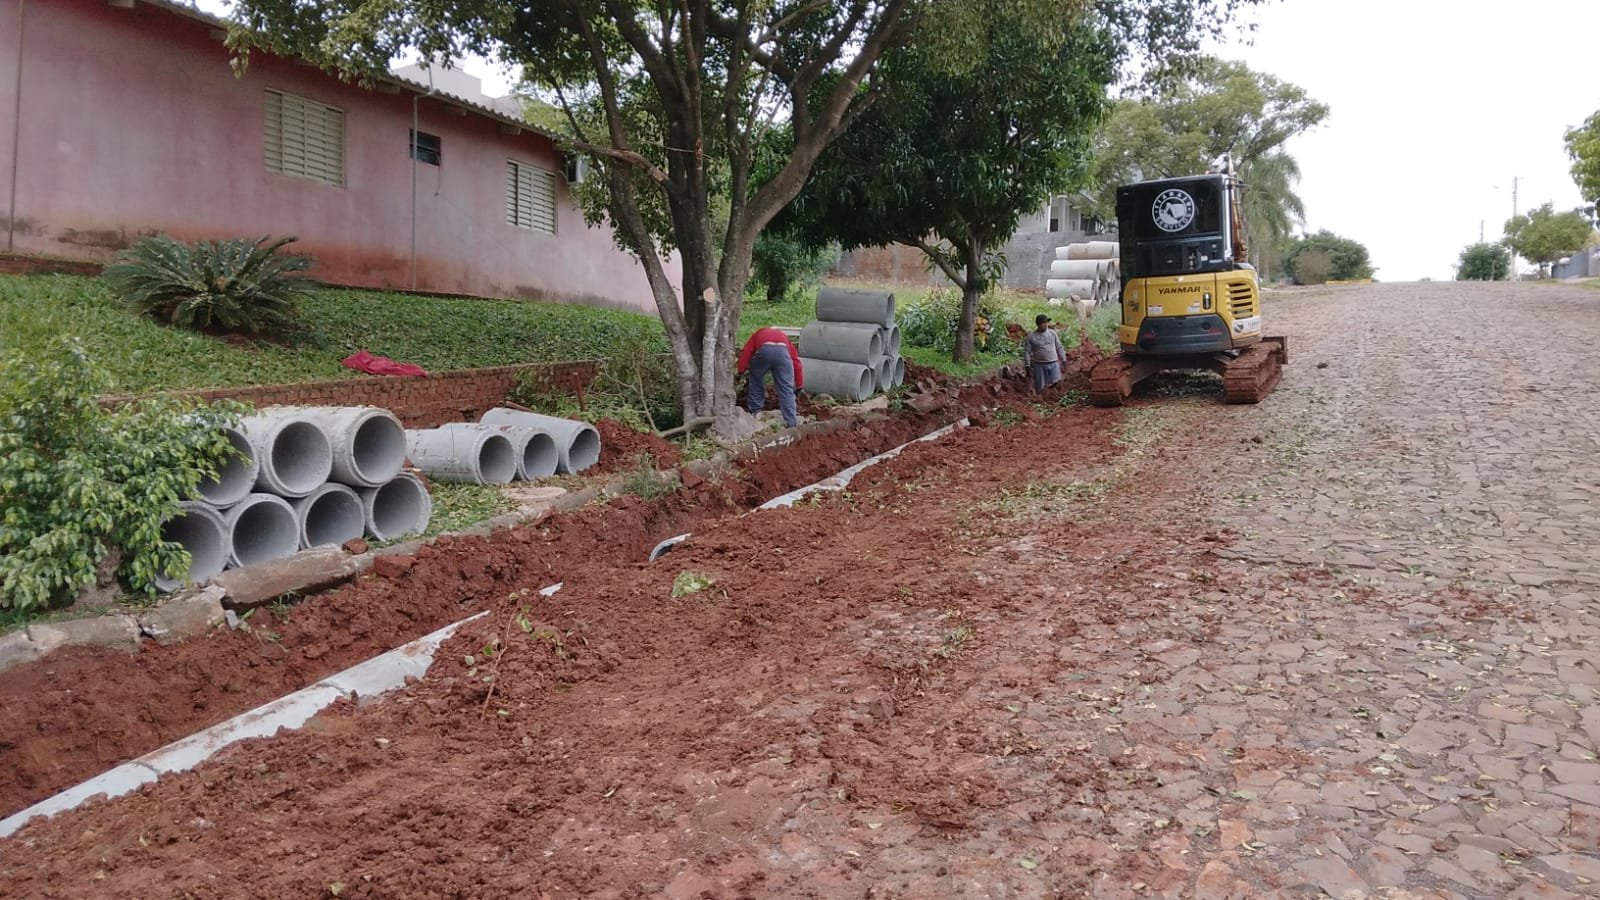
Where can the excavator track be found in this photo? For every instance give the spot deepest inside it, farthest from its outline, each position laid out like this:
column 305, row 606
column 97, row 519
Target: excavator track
column 1251, row 376
column 1111, row 381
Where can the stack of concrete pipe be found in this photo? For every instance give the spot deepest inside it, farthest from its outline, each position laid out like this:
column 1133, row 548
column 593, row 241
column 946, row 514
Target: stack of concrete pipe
column 1087, row 273
column 303, row 477
column 505, row 445
column 852, row 350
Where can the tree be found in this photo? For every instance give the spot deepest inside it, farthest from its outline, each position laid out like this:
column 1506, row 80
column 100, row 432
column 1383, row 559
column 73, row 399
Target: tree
column 948, row 162
column 1583, row 146
column 673, row 101
column 1220, row 107
column 1483, row 262
column 1325, row 256
column 1544, row 235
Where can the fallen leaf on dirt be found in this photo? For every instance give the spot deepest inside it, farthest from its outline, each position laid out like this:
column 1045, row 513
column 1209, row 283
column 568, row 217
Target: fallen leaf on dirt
column 1028, row 863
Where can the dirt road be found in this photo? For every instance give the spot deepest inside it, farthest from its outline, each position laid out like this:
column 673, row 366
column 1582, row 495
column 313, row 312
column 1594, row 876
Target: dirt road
column 1339, row 644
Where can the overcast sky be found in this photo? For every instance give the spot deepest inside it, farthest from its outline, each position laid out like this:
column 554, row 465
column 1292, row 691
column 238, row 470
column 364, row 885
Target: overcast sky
column 1435, row 107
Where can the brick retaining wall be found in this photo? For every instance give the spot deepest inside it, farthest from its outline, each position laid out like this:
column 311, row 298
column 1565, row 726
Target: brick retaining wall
column 457, row 396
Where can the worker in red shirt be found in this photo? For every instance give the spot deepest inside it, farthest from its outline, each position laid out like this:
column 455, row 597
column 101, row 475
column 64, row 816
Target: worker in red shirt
column 769, row 350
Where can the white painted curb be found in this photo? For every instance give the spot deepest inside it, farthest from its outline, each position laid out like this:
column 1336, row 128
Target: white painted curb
column 378, row 675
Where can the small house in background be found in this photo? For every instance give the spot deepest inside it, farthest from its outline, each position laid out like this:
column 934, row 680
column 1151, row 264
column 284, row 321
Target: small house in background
column 124, row 118
column 1056, row 223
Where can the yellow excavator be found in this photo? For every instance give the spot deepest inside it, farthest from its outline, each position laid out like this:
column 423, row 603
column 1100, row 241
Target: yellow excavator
column 1189, row 298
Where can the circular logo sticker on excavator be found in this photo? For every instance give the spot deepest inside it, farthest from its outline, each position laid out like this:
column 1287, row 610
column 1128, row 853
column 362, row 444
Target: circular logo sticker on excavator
column 1173, row 209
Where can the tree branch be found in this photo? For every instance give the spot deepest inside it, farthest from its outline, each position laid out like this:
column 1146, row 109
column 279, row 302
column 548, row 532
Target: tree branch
column 943, row 261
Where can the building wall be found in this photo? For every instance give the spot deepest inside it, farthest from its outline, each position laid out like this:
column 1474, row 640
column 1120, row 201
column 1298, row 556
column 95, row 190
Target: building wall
column 131, row 122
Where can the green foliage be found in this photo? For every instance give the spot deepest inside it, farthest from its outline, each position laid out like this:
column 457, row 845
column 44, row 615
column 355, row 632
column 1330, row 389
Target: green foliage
column 932, row 321
column 783, row 263
column 228, row 287
column 460, row 506
column 79, row 480
column 438, row 333
column 687, row 582
column 1346, row 259
column 1218, row 107
column 634, row 386
column 1583, row 146
column 1483, row 262
column 962, row 155
column 1544, row 235
column 644, row 482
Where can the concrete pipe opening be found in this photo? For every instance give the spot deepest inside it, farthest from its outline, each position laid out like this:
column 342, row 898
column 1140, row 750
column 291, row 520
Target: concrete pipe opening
column 584, row 451
column 899, row 372
column 261, row 527
column 200, row 530
column 497, row 459
column 235, row 476
column 368, row 443
column 578, row 442
column 540, row 456
column 293, row 452
column 331, row 514
column 397, row 509
column 463, row 453
column 883, row 374
column 891, row 341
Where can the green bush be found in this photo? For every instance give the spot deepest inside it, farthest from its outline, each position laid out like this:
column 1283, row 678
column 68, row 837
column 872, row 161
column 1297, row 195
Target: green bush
column 231, row 287
column 930, row 322
column 78, row 480
column 782, row 264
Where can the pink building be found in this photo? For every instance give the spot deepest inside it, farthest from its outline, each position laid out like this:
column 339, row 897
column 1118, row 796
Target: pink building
column 123, row 118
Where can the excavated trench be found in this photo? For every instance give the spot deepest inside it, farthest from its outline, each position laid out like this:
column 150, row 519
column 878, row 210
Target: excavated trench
column 84, row 710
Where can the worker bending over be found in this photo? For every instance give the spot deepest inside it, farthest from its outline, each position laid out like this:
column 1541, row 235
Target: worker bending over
column 769, row 350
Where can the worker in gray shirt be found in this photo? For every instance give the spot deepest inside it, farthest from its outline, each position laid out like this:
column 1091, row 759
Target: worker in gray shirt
column 1043, row 354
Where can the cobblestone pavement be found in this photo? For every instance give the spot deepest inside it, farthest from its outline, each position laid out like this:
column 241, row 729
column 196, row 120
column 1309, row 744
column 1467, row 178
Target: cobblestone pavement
column 1451, row 430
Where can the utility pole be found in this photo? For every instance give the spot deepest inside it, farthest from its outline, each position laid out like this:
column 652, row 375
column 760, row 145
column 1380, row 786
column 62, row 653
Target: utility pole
column 1511, row 275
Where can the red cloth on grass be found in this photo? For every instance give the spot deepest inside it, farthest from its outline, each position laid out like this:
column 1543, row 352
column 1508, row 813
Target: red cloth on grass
column 772, row 336
column 362, row 361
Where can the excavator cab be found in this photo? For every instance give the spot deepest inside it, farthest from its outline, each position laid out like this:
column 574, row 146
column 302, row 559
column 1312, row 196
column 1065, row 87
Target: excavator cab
column 1190, row 300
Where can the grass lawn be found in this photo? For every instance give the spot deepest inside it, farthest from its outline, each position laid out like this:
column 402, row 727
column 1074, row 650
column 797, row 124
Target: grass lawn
column 437, row 333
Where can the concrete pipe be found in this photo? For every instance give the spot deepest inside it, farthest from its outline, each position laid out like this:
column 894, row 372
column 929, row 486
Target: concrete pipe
column 261, row 527
column 199, row 529
column 293, row 452
column 537, row 453
column 463, row 453
column 396, row 509
column 891, row 340
column 1079, row 269
column 1076, row 288
column 331, row 514
column 883, row 374
column 899, row 372
column 235, row 476
column 850, row 382
column 842, row 305
column 369, row 444
column 577, row 442
column 847, row 342
column 1093, row 250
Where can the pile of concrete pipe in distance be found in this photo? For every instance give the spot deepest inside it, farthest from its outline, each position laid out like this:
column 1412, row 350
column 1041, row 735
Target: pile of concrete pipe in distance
column 1088, row 274
column 301, row 477
column 504, row 445
column 852, row 350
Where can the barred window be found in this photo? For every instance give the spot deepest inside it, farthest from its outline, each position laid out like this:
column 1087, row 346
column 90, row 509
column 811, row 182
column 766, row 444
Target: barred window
column 304, row 138
column 530, row 197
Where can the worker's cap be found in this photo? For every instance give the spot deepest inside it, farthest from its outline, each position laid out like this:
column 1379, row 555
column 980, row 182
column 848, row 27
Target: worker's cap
column 1040, row 319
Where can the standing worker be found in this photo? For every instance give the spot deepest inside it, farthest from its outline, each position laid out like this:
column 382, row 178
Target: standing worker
column 769, row 350
column 1043, row 354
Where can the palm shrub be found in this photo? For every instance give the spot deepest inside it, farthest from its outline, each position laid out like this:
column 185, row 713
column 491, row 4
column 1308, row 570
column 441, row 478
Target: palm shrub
column 79, row 481
column 230, row 287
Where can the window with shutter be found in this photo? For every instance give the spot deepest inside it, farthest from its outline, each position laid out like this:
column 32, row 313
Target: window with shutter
column 304, row 138
column 530, row 197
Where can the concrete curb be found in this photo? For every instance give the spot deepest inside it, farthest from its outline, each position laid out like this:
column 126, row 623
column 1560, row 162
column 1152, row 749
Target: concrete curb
column 363, row 681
